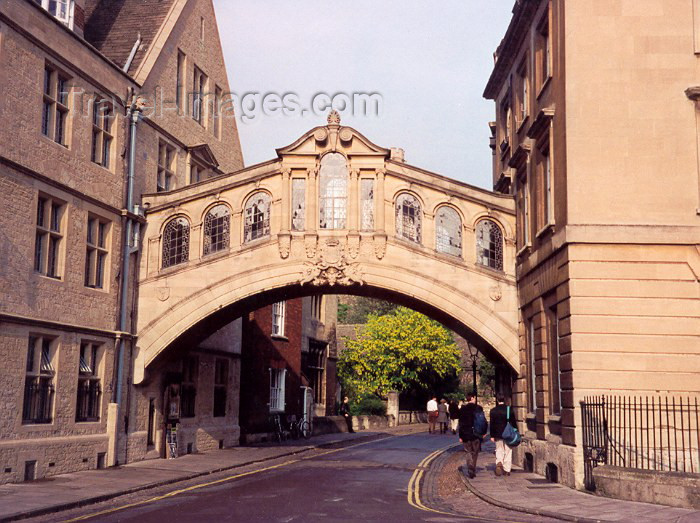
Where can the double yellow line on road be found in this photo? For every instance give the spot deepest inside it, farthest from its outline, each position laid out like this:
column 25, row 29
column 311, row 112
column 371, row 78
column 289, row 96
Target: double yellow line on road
column 414, row 483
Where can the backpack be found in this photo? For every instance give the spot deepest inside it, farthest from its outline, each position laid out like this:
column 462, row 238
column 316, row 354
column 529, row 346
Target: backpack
column 510, row 435
column 481, row 426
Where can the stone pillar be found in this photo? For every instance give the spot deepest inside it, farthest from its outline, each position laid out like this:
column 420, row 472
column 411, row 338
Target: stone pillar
column 380, row 225
column 311, row 201
column 392, row 408
column 286, row 200
column 112, row 436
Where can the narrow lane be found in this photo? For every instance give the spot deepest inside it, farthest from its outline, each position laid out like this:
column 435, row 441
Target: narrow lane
column 366, row 482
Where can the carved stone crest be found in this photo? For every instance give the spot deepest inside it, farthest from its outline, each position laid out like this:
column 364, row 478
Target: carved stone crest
column 339, row 273
column 495, row 293
column 284, row 242
column 163, row 293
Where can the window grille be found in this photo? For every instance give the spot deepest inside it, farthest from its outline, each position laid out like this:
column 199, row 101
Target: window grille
column 38, row 384
column 257, row 217
column 278, row 314
column 298, row 203
column 408, row 217
column 448, row 231
column 89, row 388
column 176, row 242
column 489, row 245
column 277, row 381
column 333, row 191
column 217, row 226
column 367, row 204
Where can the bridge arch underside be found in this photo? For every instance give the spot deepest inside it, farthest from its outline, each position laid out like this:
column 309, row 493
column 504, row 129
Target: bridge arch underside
column 490, row 324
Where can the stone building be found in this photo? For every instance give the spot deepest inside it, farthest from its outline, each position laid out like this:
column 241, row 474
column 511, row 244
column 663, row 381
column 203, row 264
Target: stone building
column 596, row 137
column 70, row 71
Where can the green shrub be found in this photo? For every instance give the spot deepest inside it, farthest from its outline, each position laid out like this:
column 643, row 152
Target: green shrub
column 368, row 406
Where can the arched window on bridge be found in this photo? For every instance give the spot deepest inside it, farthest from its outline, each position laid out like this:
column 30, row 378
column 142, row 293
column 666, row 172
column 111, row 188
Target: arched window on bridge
column 257, row 217
column 217, row 228
column 333, row 197
column 176, row 242
column 489, row 245
column 448, row 231
column 408, row 217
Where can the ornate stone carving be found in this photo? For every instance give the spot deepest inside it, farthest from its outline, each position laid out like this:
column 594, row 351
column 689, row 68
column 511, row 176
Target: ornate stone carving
column 495, row 293
column 345, row 134
column 310, row 245
column 163, row 293
column 353, row 245
column 380, row 245
column 284, row 242
column 333, row 118
column 339, row 273
column 320, row 135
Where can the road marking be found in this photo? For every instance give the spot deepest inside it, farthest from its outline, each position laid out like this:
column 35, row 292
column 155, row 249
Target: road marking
column 414, row 489
column 215, row 482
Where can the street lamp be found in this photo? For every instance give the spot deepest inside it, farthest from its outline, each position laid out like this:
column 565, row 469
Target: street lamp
column 474, row 355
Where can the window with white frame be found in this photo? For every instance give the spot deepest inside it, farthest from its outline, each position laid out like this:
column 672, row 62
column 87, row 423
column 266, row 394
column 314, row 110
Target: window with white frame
column 489, row 245
column 49, row 236
column 176, row 242
column 54, row 114
column 278, row 313
column 96, row 251
column 408, row 217
column 63, row 10
column 217, row 226
column 257, row 217
column 277, row 379
column 89, row 388
column 448, row 231
column 102, row 118
column 333, row 197
column 166, row 166
column 39, row 385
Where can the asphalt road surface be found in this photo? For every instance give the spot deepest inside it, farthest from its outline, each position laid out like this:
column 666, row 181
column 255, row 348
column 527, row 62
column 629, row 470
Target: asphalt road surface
column 371, row 481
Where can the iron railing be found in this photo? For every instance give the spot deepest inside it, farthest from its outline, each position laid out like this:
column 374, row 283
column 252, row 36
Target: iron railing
column 38, row 400
column 650, row 433
column 88, row 404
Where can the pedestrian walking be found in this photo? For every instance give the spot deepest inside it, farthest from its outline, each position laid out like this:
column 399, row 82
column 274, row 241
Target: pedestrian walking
column 500, row 416
column 432, row 409
column 468, row 413
column 345, row 412
column 453, row 411
column 442, row 417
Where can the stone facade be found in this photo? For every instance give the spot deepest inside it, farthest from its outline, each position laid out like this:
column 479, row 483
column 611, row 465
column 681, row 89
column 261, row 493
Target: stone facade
column 591, row 117
column 57, row 166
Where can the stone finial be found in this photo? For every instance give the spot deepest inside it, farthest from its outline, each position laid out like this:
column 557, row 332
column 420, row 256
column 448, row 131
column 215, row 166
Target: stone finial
column 333, row 118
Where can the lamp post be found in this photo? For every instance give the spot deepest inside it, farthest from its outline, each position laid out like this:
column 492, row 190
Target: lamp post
column 474, row 355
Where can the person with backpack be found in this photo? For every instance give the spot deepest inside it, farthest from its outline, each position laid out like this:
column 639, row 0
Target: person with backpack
column 472, row 428
column 500, row 416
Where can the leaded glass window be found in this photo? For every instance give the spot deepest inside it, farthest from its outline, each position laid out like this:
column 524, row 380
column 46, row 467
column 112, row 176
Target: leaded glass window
column 448, row 231
column 298, row 203
column 408, row 217
column 367, row 204
column 217, row 228
column 176, row 242
column 257, row 217
column 489, row 245
column 334, row 191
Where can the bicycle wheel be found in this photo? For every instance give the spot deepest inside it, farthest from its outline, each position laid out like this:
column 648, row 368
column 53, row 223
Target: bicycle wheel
column 305, row 429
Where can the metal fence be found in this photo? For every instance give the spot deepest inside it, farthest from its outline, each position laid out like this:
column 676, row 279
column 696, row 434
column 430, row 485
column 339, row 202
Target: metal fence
column 650, row 433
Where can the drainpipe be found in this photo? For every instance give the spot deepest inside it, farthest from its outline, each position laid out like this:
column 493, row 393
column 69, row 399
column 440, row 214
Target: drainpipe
column 133, row 114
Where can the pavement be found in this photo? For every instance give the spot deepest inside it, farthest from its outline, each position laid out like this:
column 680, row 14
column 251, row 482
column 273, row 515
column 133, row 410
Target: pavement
column 532, row 494
column 66, row 491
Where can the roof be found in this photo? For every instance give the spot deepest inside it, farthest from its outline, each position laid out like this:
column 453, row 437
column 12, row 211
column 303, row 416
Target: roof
column 113, row 27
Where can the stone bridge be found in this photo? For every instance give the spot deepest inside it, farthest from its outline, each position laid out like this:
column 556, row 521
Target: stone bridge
column 332, row 213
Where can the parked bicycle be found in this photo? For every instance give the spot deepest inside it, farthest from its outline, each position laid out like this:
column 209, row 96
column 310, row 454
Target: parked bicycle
column 279, row 434
column 299, row 428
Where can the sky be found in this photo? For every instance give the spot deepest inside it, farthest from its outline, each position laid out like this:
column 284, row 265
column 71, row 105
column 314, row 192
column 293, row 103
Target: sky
column 425, row 67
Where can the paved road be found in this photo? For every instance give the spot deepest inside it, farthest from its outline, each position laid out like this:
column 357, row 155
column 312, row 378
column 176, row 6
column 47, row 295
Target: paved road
column 365, row 482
